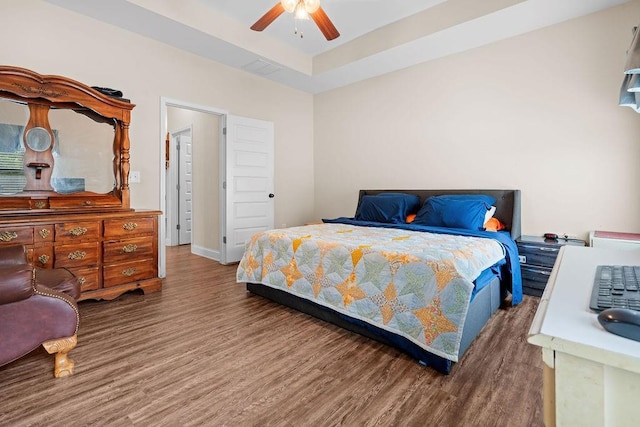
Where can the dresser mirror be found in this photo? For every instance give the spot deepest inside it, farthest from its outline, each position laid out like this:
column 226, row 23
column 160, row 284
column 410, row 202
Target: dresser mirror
column 85, row 164
column 63, row 145
column 83, row 157
column 13, row 117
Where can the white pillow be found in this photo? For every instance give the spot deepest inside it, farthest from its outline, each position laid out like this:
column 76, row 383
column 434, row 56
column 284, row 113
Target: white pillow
column 489, row 214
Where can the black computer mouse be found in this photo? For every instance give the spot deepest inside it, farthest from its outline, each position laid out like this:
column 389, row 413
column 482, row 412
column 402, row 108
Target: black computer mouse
column 621, row 321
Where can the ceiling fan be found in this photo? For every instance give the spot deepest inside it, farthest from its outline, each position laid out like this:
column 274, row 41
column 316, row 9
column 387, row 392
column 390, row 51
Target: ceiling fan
column 301, row 9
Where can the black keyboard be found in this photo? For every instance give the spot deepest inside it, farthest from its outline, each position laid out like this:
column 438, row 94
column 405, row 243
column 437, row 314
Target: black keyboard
column 616, row 286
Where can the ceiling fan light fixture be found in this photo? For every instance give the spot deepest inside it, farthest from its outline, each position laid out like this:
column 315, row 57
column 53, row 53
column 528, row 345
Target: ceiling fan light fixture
column 311, row 5
column 300, row 11
column 289, row 5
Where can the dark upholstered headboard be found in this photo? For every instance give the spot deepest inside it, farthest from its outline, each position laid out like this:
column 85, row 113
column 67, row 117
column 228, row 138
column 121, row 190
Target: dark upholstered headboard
column 507, row 203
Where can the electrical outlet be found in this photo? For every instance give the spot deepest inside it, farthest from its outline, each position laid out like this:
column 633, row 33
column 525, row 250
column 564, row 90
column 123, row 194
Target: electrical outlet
column 134, row 176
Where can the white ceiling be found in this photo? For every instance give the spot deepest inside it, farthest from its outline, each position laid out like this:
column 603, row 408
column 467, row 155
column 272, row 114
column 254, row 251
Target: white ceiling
column 376, row 36
column 352, row 18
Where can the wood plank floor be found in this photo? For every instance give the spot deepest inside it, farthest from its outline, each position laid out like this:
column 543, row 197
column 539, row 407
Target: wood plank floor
column 205, row 352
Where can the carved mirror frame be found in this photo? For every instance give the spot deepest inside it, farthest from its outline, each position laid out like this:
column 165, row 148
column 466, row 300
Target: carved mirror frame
column 45, row 92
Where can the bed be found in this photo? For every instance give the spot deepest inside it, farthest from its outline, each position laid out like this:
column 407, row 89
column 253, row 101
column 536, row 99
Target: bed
column 426, row 287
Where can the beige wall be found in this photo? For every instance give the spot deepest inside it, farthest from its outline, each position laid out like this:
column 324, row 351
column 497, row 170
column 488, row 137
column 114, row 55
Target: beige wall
column 65, row 43
column 206, row 158
column 536, row 112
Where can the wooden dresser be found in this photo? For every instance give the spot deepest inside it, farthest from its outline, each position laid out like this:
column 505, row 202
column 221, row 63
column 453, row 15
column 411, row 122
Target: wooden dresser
column 64, row 183
column 111, row 252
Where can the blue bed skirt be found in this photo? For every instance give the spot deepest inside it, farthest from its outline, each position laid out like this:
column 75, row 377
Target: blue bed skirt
column 485, row 302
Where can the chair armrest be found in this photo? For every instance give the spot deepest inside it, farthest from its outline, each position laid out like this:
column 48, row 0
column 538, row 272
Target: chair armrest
column 15, row 283
column 12, row 255
column 52, row 293
column 59, row 279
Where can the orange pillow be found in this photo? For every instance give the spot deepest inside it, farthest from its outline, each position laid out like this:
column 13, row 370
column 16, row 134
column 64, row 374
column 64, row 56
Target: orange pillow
column 493, row 224
column 410, row 218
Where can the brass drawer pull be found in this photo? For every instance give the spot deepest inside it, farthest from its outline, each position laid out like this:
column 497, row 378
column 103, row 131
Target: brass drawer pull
column 82, row 280
column 77, row 255
column 43, row 259
column 129, row 226
column 87, row 203
column 130, row 248
column 7, row 236
column 40, row 204
column 129, row 272
column 78, row 231
column 44, row 233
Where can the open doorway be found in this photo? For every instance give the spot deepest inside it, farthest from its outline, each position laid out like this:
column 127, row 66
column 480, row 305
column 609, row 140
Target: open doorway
column 192, row 199
column 232, row 180
column 199, row 181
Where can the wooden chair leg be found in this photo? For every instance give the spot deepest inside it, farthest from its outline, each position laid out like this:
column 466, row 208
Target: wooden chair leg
column 63, row 365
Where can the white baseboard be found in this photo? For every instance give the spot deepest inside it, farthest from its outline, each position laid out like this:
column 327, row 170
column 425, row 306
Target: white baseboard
column 205, row 252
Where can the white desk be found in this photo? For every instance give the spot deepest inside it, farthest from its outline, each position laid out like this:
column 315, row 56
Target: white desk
column 591, row 377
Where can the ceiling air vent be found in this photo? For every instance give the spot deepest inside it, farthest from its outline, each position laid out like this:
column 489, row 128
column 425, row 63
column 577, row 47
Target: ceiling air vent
column 261, row 67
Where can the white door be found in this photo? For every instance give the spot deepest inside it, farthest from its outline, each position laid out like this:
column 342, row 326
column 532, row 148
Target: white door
column 247, row 185
column 185, row 200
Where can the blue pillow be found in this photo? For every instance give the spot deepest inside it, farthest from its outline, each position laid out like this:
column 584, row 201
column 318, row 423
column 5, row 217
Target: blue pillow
column 465, row 211
column 489, row 200
column 387, row 207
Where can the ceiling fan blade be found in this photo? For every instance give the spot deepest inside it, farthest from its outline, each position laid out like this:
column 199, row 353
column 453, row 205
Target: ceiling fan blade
column 324, row 23
column 268, row 17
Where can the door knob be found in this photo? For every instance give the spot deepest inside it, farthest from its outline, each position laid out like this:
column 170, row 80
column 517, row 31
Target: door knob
column 271, row 195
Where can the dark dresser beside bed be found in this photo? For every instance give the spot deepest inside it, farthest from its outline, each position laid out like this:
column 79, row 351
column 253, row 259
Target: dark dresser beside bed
column 537, row 257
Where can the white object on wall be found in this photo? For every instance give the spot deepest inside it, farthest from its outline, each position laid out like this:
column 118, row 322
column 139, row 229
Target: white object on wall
column 614, row 240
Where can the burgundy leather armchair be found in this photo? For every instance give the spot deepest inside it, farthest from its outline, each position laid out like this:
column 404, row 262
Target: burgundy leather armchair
column 37, row 307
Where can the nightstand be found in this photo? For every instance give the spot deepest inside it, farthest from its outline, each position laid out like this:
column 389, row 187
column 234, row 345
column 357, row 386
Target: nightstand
column 537, row 256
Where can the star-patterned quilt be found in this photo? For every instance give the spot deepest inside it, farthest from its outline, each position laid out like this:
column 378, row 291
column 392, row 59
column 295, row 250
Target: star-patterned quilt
column 415, row 284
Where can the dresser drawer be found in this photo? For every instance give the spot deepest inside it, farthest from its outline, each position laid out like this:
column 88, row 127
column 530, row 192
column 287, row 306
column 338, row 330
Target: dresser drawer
column 16, row 235
column 117, row 274
column 535, row 277
column 69, row 231
column 43, row 234
column 128, row 250
column 77, row 255
column 70, row 201
column 538, row 255
column 89, row 277
column 41, row 256
column 122, row 228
